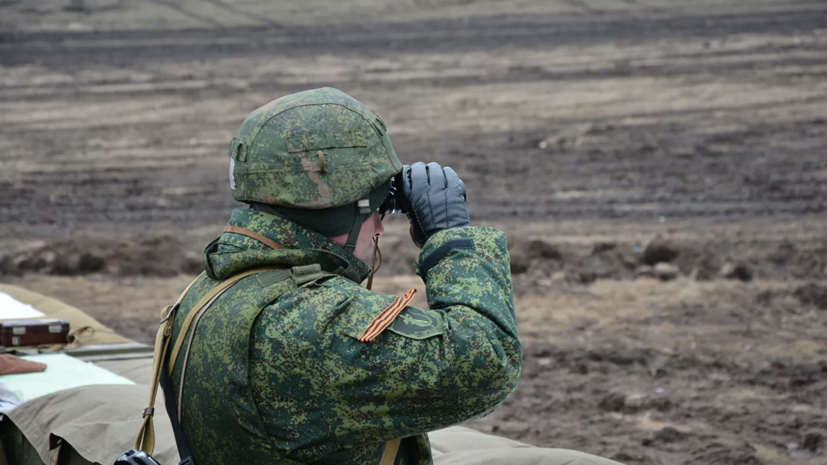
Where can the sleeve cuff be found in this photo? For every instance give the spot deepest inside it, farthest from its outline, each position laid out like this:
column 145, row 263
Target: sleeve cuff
column 436, row 255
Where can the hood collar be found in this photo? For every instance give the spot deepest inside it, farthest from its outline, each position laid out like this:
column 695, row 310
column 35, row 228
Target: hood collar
column 233, row 253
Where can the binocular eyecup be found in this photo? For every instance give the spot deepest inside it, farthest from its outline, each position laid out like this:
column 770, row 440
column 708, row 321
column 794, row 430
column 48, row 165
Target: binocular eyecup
column 392, row 203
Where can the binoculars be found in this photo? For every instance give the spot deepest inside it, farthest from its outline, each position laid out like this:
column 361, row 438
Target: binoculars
column 393, row 202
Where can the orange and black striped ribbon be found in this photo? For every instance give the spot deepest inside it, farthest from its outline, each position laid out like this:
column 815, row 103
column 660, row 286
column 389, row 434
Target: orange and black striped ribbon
column 384, row 319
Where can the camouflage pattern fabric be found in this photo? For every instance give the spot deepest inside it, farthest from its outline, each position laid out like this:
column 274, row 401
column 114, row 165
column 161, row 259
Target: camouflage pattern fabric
column 312, row 150
column 276, row 373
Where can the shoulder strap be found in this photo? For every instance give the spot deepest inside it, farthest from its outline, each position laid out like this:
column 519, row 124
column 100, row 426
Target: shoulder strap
column 145, row 440
column 180, row 440
column 389, row 454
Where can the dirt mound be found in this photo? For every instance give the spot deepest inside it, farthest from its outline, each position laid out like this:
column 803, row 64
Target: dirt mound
column 608, row 263
column 537, row 261
column 812, row 294
column 528, row 253
column 813, row 442
column 158, row 256
column 809, row 264
column 725, row 454
column 659, row 250
column 668, row 435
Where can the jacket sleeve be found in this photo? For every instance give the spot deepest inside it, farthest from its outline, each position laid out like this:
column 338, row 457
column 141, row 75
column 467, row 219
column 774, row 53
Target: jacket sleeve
column 409, row 384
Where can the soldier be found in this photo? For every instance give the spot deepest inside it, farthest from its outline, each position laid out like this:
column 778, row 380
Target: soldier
column 295, row 362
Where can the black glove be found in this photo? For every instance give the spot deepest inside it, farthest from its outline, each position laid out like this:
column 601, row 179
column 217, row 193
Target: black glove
column 434, row 198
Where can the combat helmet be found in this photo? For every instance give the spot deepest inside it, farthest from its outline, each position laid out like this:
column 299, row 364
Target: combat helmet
column 319, row 158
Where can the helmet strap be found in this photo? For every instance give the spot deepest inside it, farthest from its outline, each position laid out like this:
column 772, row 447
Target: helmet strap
column 362, row 214
column 374, row 266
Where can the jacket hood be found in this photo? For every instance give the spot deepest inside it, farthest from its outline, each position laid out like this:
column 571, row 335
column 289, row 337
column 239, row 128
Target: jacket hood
column 233, row 253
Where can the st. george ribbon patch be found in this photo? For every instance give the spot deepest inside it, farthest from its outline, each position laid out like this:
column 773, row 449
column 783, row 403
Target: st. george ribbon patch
column 386, row 317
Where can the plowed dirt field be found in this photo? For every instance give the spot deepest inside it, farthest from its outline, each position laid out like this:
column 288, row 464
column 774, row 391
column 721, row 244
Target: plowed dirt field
column 659, row 166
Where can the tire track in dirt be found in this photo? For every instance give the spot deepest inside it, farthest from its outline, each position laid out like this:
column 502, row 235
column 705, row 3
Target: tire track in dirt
column 27, row 47
column 581, row 5
column 172, row 5
column 757, row 70
column 256, row 18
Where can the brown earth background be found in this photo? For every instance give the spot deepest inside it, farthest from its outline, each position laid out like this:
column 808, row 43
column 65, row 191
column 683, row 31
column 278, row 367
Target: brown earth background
column 658, row 165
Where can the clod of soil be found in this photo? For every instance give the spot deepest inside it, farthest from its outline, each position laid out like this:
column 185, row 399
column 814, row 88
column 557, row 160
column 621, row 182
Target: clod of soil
column 542, row 249
column 659, row 250
column 525, row 252
column 725, row 454
column 666, row 435
column 601, row 247
column 607, row 263
column 783, row 253
column 812, row 294
column 614, row 402
column 739, row 271
column 707, row 267
column 809, row 264
column 632, row 403
column 645, row 271
column 666, row 271
column 669, row 434
column 813, row 442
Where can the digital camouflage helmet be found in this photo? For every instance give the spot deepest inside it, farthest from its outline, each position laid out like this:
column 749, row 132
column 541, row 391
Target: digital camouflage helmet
column 319, row 158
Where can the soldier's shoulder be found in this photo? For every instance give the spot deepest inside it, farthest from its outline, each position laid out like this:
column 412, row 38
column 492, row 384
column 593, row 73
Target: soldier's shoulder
column 360, row 310
column 358, row 299
column 333, row 300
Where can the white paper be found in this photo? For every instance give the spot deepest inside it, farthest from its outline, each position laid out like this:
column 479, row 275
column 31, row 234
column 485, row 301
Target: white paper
column 13, row 309
column 62, row 372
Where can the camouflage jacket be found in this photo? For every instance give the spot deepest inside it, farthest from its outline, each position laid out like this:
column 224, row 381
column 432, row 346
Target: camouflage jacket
column 276, row 373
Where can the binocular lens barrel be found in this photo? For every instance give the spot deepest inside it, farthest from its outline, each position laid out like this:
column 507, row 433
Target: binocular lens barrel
column 392, row 203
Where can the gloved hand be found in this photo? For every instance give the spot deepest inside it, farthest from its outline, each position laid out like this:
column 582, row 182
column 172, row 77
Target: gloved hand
column 434, row 198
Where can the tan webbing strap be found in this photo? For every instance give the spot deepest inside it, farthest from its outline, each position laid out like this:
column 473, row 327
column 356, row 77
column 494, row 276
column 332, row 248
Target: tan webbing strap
column 389, row 454
column 145, row 440
column 253, row 235
column 173, row 356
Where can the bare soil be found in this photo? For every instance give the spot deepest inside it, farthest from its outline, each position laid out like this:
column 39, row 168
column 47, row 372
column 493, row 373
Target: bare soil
column 658, row 166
